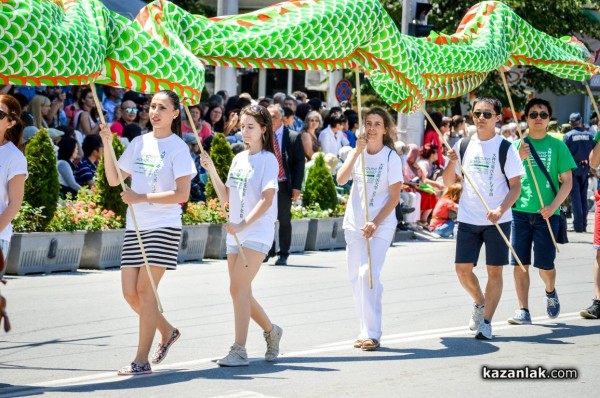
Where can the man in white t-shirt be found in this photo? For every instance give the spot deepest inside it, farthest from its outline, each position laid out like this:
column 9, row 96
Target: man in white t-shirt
column 496, row 171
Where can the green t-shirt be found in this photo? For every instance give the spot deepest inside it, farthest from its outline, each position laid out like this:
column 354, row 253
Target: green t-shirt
column 555, row 155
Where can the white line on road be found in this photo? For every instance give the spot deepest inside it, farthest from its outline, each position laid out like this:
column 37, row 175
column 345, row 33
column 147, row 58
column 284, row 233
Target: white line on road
column 337, row 346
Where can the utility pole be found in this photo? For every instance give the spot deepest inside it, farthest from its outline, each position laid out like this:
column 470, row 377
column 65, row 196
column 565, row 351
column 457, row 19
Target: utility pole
column 411, row 126
column 226, row 77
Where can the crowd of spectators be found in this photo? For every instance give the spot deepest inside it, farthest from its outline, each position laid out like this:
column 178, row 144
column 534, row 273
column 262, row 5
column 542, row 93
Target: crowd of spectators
column 73, row 122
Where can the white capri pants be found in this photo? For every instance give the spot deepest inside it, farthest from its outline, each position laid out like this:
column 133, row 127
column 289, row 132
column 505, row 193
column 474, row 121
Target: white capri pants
column 366, row 300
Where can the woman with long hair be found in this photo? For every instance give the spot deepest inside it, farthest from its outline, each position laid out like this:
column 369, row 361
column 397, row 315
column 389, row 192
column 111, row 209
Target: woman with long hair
column 87, row 120
column 215, row 118
column 431, row 136
column 250, row 189
column 143, row 118
column 161, row 170
column 312, row 125
column 444, row 214
column 40, row 107
column 13, row 168
column 383, row 186
column 68, row 151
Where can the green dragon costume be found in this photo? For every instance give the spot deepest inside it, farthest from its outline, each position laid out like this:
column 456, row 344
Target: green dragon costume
column 61, row 42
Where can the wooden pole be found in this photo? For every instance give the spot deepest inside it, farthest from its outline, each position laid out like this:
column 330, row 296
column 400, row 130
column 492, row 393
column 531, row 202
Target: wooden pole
column 468, row 178
column 193, row 126
column 111, row 152
column 364, row 174
column 529, row 165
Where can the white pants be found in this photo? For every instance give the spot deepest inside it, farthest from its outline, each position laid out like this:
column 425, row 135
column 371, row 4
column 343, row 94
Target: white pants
column 366, row 300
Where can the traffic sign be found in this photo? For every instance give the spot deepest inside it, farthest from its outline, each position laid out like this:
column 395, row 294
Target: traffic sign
column 343, row 90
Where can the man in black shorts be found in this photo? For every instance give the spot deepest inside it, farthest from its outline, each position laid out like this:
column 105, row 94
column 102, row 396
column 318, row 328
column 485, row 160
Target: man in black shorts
column 495, row 168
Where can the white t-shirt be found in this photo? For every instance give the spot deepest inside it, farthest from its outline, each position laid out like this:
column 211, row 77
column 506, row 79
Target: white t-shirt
column 482, row 164
column 382, row 170
column 154, row 165
column 12, row 163
column 250, row 175
column 330, row 142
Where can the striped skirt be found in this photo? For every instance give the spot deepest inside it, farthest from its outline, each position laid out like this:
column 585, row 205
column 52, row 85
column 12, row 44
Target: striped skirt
column 161, row 246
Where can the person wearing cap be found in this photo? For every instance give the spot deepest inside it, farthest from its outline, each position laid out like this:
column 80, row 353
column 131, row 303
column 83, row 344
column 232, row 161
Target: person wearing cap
column 28, row 133
column 580, row 144
column 553, row 129
column 55, row 135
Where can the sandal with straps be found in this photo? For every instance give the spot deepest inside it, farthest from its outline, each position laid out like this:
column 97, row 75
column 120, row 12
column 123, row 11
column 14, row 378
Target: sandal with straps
column 358, row 343
column 370, row 345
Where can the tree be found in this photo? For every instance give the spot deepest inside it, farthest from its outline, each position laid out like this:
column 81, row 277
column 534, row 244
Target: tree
column 221, row 155
column 42, row 187
column 110, row 197
column 319, row 188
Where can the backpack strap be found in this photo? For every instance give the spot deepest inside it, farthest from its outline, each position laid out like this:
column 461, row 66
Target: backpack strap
column 464, row 143
column 541, row 166
column 504, row 147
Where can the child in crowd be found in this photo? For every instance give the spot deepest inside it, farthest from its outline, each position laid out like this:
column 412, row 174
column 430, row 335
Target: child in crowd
column 444, row 213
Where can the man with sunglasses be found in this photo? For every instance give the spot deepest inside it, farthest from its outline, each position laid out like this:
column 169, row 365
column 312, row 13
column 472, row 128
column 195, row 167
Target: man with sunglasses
column 529, row 228
column 129, row 111
column 580, row 144
column 500, row 185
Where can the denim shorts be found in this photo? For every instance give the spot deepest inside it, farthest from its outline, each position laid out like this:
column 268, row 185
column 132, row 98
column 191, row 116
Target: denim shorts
column 249, row 244
column 470, row 238
column 530, row 229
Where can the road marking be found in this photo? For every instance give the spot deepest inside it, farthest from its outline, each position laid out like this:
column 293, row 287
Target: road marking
column 345, row 345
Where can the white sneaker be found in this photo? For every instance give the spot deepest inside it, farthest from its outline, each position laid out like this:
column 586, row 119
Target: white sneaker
column 484, row 331
column 273, row 338
column 476, row 317
column 237, row 357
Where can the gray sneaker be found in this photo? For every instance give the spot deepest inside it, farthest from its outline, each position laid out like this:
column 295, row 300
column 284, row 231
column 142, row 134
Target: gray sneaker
column 521, row 317
column 484, row 331
column 237, row 357
column 476, row 317
column 273, row 338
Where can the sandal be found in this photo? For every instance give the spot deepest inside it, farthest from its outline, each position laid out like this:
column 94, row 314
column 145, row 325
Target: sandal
column 134, row 369
column 358, row 343
column 370, row 345
column 163, row 349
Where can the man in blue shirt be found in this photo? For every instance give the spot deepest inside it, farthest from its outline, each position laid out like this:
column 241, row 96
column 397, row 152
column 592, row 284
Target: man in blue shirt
column 92, row 152
column 580, row 144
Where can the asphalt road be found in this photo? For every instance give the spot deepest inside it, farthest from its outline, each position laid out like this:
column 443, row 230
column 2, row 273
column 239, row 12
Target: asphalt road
column 72, row 331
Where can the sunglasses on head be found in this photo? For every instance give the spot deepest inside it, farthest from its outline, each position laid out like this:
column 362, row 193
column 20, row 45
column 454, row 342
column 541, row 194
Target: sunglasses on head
column 3, row 115
column 534, row 115
column 131, row 110
column 486, row 115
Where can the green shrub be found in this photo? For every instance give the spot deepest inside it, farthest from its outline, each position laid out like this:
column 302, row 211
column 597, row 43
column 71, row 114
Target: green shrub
column 28, row 219
column 221, row 155
column 110, row 197
column 319, row 188
column 42, row 187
